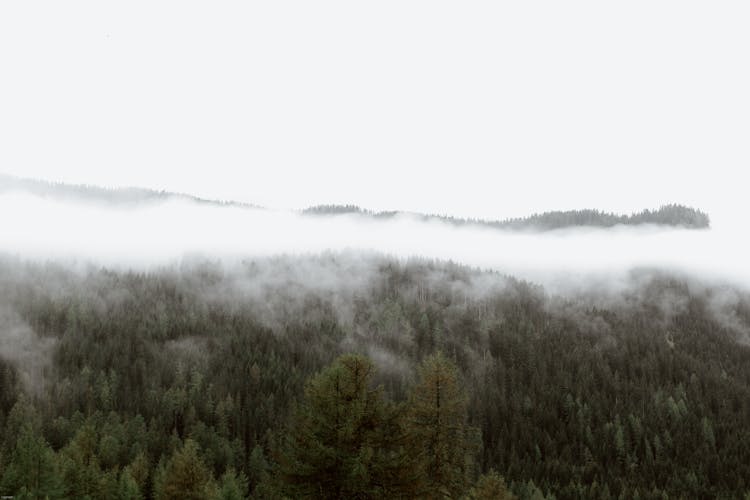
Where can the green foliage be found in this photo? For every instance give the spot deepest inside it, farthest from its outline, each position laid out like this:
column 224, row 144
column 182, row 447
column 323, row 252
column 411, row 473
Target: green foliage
column 81, row 473
column 185, row 476
column 232, row 486
column 127, row 487
column 491, row 486
column 343, row 441
column 443, row 443
column 643, row 391
column 32, row 471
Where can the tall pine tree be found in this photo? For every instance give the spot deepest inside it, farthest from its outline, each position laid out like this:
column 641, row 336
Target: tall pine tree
column 443, row 443
column 344, row 438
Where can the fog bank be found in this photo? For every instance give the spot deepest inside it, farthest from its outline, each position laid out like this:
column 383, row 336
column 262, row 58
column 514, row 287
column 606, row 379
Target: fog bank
column 157, row 234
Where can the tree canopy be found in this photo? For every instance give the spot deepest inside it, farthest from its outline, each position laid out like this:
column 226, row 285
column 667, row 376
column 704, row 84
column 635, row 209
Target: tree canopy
column 370, row 378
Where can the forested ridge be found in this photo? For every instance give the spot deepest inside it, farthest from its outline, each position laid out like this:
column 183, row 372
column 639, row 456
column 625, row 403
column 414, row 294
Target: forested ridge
column 667, row 215
column 265, row 377
column 674, row 215
column 97, row 195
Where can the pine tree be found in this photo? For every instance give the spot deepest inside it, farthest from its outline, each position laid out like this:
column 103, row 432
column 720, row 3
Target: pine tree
column 185, row 476
column 32, row 471
column 343, row 442
column 232, row 486
column 491, row 486
column 139, row 471
column 257, row 467
column 127, row 487
column 80, row 468
column 440, row 437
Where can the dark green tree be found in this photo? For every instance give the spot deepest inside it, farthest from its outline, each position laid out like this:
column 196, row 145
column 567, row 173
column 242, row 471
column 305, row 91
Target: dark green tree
column 443, row 443
column 32, row 471
column 343, row 440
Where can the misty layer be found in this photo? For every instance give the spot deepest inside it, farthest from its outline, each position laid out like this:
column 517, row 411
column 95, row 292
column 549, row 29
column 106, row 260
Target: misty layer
column 147, row 234
column 28, row 353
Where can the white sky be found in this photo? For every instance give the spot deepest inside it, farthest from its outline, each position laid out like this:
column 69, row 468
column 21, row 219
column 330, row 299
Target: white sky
column 488, row 109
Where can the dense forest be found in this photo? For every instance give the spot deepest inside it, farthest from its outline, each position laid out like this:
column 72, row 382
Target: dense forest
column 666, row 215
column 360, row 376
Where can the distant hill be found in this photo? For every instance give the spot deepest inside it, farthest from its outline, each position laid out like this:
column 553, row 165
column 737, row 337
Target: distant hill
column 667, row 215
column 100, row 195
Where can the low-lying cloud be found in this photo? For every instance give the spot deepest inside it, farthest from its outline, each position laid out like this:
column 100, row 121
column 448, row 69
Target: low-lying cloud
column 156, row 234
column 28, row 352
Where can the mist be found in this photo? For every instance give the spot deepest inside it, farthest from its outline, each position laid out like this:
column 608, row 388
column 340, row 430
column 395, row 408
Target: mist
column 28, row 352
column 157, row 234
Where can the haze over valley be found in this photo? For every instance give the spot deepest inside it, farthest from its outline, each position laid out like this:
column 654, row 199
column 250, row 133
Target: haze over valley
column 143, row 228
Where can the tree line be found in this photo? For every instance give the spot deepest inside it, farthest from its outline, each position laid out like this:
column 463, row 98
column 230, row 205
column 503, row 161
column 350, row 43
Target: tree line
column 674, row 215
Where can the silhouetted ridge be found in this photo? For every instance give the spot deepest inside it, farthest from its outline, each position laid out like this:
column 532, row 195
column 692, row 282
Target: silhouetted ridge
column 667, row 215
column 673, row 215
column 101, row 195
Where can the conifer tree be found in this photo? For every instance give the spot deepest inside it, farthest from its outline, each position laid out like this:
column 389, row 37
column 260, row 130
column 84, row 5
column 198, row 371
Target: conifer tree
column 32, row 471
column 491, row 486
column 127, row 487
column 443, row 443
column 343, row 442
column 185, row 476
column 81, row 473
column 232, row 486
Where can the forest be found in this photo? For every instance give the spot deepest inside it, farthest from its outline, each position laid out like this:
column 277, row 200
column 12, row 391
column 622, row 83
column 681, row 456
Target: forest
column 351, row 375
column 674, row 215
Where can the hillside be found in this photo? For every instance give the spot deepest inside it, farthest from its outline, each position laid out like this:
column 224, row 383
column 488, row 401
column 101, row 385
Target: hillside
column 123, row 376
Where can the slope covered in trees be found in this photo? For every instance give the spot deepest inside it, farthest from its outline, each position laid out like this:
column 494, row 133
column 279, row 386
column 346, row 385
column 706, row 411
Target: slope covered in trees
column 210, row 380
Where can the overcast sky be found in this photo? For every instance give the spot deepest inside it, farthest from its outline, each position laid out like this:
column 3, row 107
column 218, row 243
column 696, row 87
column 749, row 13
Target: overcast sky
column 474, row 108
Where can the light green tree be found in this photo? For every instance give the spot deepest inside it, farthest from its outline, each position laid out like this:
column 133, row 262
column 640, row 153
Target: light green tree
column 491, row 486
column 232, row 486
column 185, row 476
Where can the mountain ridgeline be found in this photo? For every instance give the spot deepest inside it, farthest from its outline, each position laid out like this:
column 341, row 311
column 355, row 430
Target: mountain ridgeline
column 97, row 195
column 667, row 215
column 672, row 215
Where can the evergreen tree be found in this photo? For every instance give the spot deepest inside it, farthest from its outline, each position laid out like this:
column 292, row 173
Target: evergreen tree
column 127, row 487
column 491, row 486
column 232, row 486
column 82, row 476
column 32, row 472
column 185, row 476
column 443, row 443
column 343, row 438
